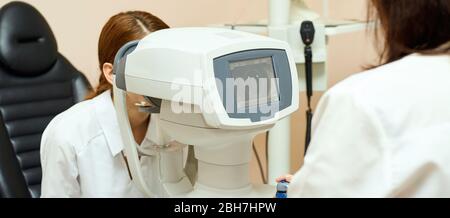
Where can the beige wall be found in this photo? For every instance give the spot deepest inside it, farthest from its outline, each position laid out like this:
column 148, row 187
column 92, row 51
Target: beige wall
column 77, row 24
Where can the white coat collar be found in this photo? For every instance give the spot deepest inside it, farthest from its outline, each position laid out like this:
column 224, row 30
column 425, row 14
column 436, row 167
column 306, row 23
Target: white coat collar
column 106, row 115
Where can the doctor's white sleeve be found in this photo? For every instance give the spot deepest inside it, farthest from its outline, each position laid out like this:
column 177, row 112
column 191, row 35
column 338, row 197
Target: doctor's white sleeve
column 59, row 168
column 348, row 155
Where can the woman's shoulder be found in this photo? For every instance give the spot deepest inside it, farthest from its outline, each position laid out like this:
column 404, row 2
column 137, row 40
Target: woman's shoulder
column 405, row 83
column 73, row 126
column 387, row 79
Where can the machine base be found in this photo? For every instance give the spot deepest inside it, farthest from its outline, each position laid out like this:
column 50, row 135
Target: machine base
column 252, row 191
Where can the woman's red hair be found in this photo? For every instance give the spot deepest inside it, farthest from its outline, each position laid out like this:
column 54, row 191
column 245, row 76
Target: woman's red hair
column 119, row 30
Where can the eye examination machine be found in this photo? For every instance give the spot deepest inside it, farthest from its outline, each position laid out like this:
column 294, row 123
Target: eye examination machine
column 218, row 91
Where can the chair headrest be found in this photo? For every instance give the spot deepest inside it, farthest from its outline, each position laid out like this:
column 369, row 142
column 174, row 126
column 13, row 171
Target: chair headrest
column 27, row 44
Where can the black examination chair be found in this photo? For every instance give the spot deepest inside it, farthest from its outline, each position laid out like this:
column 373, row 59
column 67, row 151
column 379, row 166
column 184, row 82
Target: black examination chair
column 36, row 83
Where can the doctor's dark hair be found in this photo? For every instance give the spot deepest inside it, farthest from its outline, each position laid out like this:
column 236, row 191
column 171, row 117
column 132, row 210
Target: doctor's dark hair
column 412, row 26
column 119, row 30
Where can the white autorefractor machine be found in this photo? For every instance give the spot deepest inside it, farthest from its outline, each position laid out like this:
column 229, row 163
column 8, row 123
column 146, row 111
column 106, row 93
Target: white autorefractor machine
column 190, row 70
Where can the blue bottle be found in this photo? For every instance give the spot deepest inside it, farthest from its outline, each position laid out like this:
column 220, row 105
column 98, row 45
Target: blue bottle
column 282, row 188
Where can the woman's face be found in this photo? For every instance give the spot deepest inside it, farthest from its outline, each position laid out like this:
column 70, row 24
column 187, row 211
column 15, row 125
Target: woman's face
column 132, row 99
column 133, row 103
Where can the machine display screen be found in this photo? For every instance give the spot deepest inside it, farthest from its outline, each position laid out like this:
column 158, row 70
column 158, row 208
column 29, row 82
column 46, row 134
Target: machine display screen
column 261, row 71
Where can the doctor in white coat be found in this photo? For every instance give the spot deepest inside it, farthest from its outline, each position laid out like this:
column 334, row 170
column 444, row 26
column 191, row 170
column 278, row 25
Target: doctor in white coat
column 386, row 132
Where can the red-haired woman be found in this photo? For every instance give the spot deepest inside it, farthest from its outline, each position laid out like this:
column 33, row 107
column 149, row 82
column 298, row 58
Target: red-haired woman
column 81, row 149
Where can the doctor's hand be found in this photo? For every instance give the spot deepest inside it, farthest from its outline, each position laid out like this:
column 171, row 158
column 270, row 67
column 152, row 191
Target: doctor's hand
column 287, row 178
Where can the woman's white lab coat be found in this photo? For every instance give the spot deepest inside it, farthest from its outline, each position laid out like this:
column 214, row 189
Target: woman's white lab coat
column 81, row 153
column 382, row 133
